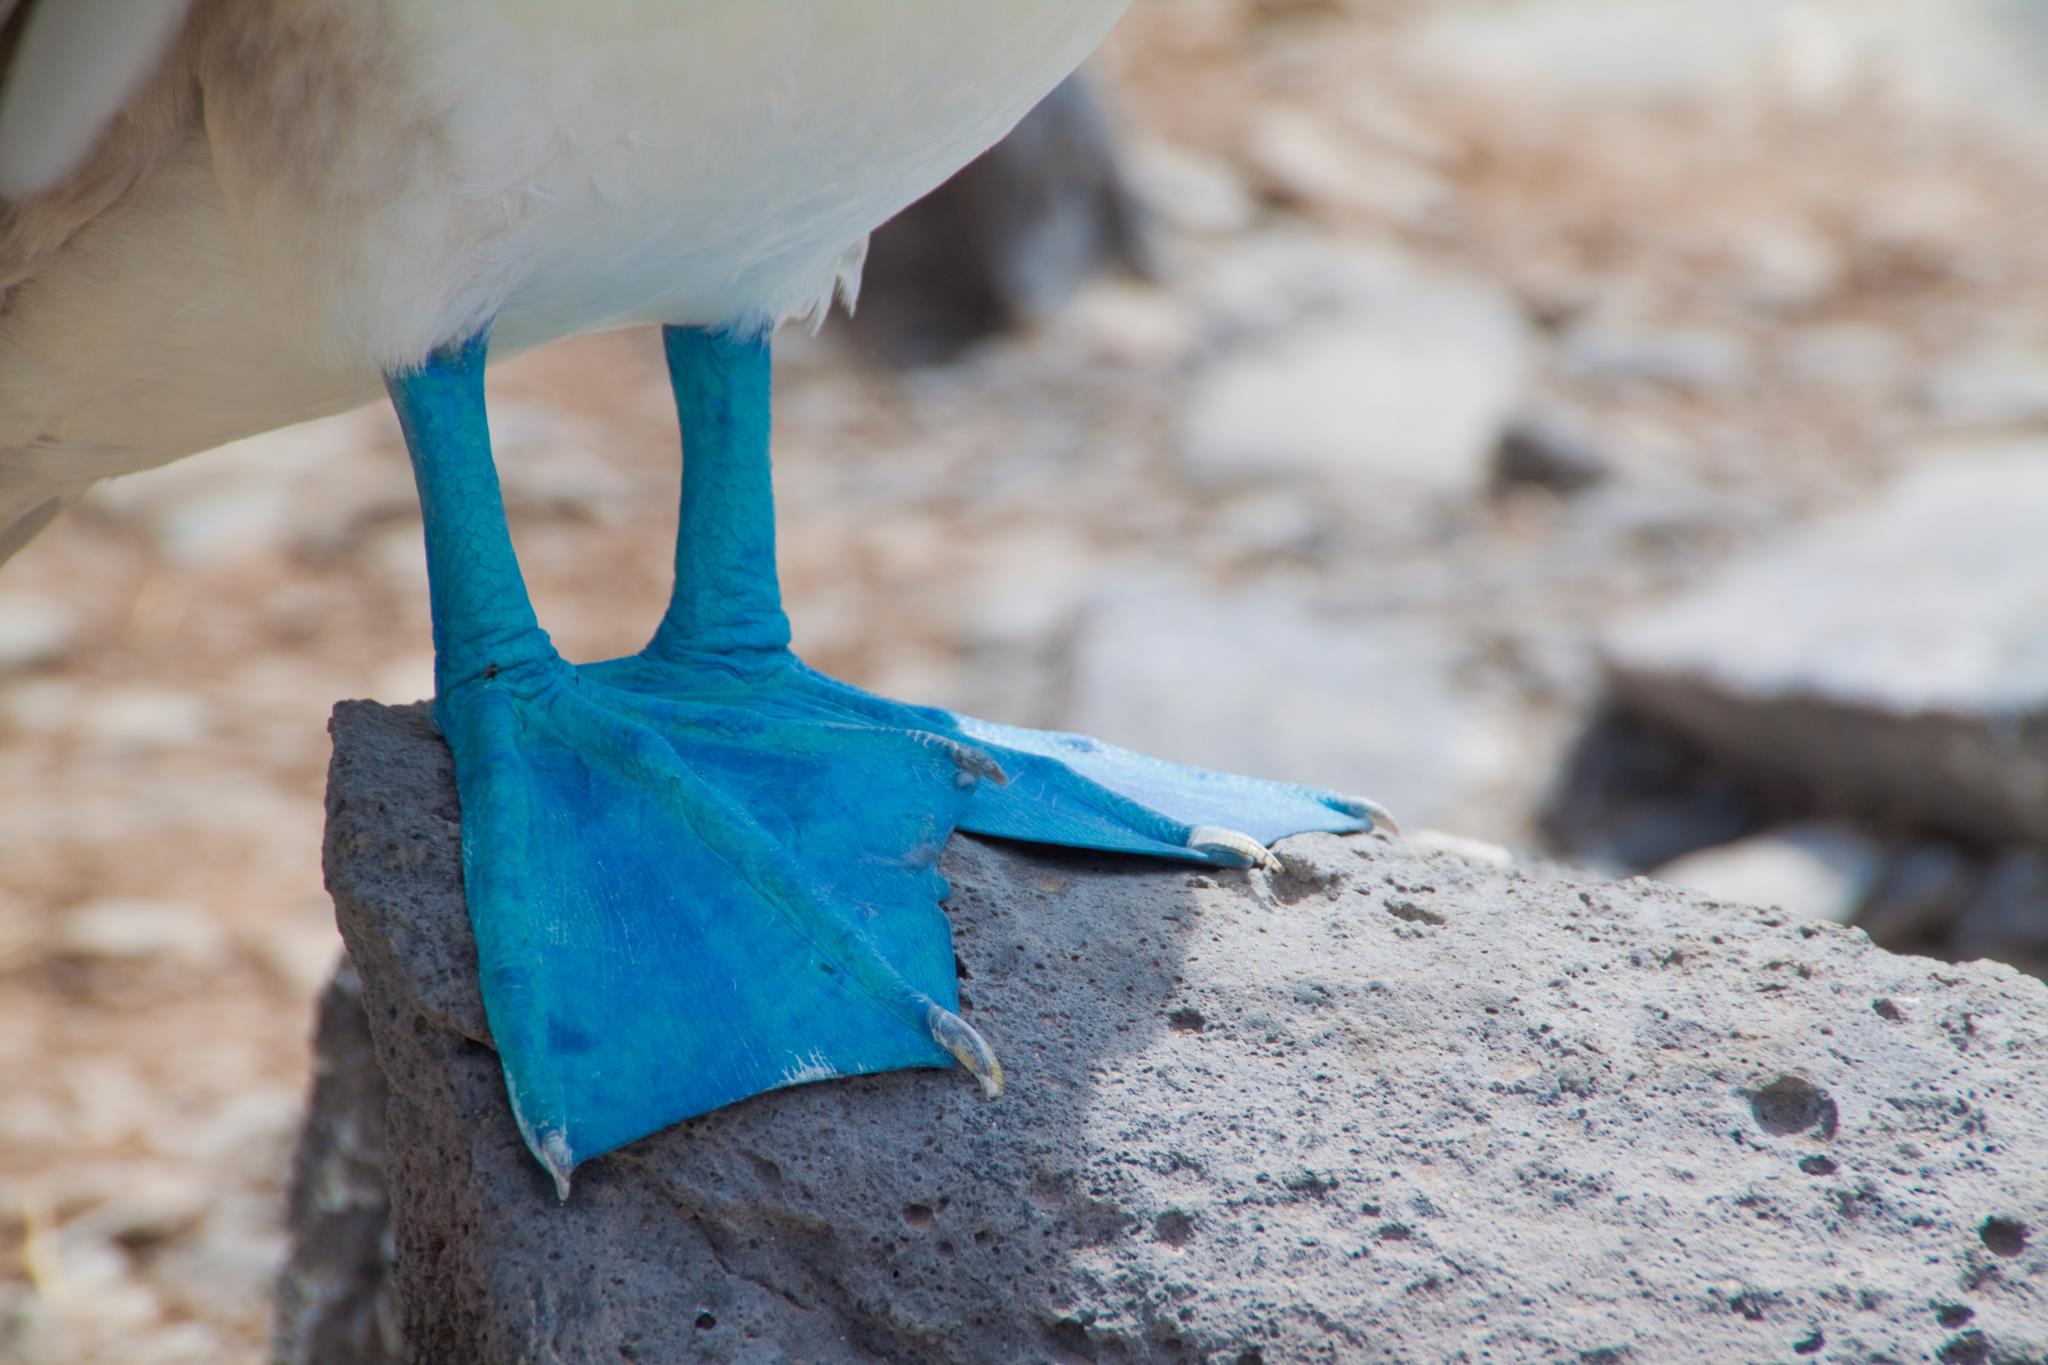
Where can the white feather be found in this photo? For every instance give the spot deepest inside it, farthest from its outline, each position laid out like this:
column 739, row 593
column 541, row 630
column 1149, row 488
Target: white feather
column 618, row 165
column 550, row 168
column 78, row 62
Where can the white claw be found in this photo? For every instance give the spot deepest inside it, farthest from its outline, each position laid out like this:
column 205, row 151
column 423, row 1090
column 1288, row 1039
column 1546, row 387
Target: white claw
column 555, row 1155
column 1228, row 843
column 549, row 1147
column 969, row 1048
column 1367, row 809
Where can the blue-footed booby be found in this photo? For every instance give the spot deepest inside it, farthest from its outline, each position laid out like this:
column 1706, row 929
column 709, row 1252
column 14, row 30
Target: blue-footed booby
column 703, row 871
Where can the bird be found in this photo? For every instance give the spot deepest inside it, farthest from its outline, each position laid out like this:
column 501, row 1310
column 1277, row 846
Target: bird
column 705, row 870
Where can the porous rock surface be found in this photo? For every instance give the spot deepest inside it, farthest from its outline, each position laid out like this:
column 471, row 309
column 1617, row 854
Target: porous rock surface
column 335, row 1298
column 1390, row 1104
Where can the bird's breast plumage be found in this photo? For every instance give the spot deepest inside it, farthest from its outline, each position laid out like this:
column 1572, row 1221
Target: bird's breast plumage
column 309, row 193
column 567, row 167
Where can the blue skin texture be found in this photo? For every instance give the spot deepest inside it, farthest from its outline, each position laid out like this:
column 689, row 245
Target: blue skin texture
column 706, row 871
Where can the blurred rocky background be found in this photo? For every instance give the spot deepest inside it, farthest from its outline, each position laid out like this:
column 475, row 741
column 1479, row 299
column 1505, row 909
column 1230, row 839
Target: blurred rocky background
column 1614, row 430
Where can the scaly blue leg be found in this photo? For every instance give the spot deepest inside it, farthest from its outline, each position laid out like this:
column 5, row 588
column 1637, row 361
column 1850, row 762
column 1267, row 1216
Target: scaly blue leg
column 706, row 871
column 672, row 911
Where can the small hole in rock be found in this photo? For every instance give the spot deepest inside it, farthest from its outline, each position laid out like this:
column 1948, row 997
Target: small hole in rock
column 705, row 1322
column 1953, row 1314
column 1818, row 1165
column 1069, row 1341
column 1293, row 887
column 1971, row 1348
column 1812, row 1344
column 1413, row 913
column 1751, row 1306
column 1885, row 1009
column 1174, row 1228
column 2005, row 1236
column 1186, row 1021
column 1791, row 1105
column 918, row 1215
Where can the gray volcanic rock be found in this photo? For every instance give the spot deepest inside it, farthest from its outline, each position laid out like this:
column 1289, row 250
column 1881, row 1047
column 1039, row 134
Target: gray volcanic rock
column 1406, row 389
column 335, row 1300
column 1888, row 662
column 1387, row 1105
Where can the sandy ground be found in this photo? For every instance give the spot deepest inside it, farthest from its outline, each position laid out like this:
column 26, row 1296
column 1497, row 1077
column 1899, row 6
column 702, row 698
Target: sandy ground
column 178, row 640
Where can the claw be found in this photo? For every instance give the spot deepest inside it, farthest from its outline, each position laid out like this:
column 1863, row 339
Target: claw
column 1367, row 809
column 550, row 1147
column 974, row 765
column 969, row 1048
column 1242, row 849
column 555, row 1155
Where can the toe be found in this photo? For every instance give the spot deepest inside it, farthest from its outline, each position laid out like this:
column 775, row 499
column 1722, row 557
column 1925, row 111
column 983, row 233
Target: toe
column 1232, row 847
column 969, row 1048
column 1365, row 808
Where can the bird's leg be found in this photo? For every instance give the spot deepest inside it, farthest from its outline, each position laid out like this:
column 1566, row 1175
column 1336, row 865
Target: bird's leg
column 671, row 909
column 1060, row 788
column 483, row 621
column 727, row 603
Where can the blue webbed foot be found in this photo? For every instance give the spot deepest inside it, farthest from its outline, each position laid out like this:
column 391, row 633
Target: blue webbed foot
column 689, row 895
column 1079, row 792
column 707, row 871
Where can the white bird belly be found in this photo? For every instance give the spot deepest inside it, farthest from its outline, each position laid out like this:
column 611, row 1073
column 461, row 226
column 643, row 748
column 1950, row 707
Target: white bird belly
column 689, row 161
column 379, row 177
